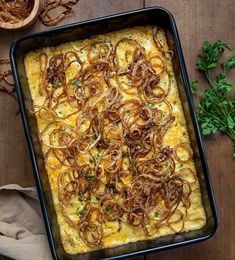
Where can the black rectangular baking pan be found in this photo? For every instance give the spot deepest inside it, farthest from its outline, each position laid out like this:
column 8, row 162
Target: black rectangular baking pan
column 149, row 16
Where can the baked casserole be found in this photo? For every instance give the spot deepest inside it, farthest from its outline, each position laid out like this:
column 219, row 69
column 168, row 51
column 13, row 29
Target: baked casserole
column 114, row 139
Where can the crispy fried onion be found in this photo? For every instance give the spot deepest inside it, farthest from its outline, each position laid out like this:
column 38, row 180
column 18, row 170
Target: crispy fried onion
column 7, row 85
column 82, row 183
column 112, row 159
column 183, row 153
column 90, row 226
column 46, row 16
column 15, row 11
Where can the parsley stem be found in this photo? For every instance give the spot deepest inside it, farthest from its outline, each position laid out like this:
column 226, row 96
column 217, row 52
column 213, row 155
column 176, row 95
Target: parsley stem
column 226, row 114
column 215, row 117
column 209, row 77
column 232, row 134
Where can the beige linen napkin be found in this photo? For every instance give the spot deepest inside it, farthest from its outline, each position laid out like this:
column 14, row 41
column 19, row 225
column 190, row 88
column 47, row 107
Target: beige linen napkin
column 22, row 231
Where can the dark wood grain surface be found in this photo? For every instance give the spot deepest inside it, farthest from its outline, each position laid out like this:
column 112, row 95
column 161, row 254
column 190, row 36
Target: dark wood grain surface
column 197, row 20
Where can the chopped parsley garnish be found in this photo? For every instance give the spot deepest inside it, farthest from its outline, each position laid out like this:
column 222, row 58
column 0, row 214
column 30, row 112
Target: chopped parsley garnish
column 96, row 157
column 93, row 201
column 81, row 212
column 151, row 104
column 110, row 210
column 155, row 214
column 74, row 82
column 158, row 156
column 90, row 177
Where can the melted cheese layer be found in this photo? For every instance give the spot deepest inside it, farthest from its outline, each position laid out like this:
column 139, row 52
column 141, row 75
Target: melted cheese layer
column 176, row 134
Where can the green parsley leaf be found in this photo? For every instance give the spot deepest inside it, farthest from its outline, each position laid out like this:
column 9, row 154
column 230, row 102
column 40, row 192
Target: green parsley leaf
column 96, row 157
column 164, row 113
column 81, row 212
column 74, row 82
column 209, row 56
column 158, row 156
column 216, row 107
column 155, row 214
column 110, row 210
column 90, row 177
column 194, row 86
column 228, row 65
column 151, row 104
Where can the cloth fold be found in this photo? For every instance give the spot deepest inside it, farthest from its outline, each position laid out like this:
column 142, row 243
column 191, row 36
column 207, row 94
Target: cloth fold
column 22, row 231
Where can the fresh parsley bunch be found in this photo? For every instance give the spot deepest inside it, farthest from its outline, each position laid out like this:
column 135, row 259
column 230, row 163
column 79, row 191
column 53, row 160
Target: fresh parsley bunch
column 216, row 107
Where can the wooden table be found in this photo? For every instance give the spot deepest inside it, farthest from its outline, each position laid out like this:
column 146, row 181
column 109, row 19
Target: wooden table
column 197, row 20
